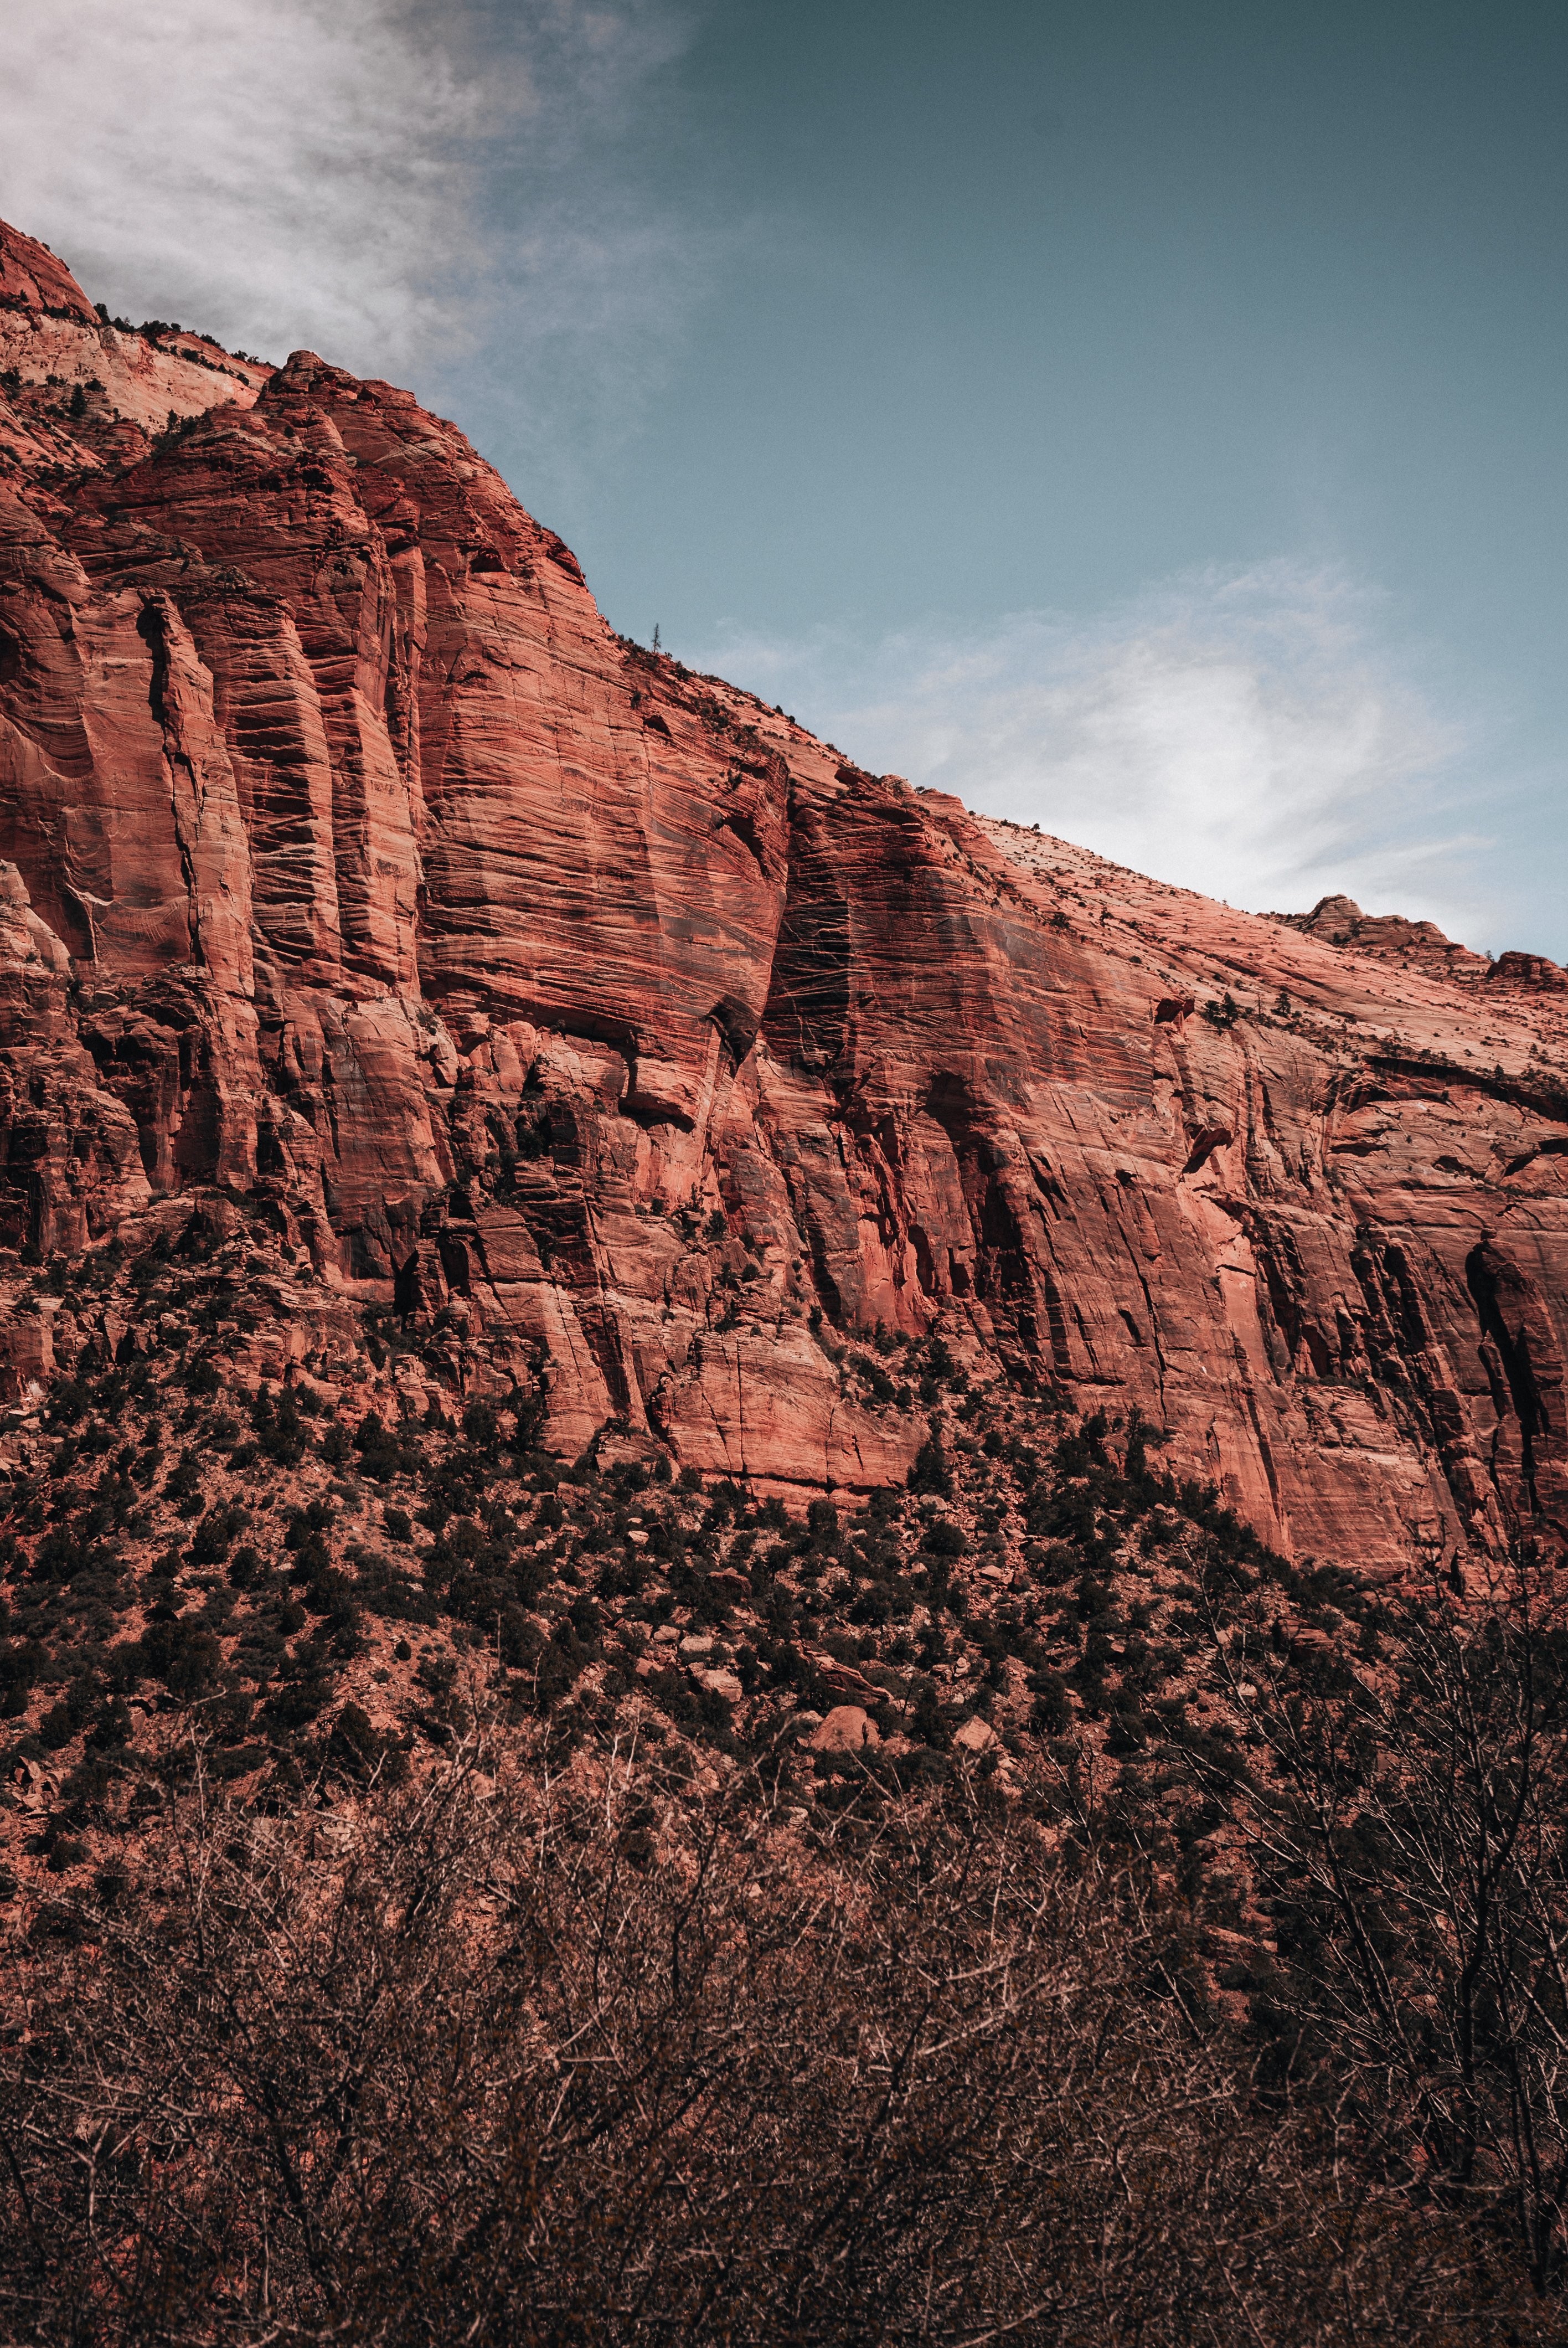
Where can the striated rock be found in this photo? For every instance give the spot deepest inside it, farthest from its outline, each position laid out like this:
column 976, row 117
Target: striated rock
column 33, row 281
column 81, row 393
column 641, row 1057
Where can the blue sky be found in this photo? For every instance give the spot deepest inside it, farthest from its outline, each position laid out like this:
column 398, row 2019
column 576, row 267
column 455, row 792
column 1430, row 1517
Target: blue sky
column 1148, row 421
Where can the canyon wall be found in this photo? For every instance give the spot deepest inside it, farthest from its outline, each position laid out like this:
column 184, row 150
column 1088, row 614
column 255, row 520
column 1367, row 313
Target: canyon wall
column 616, row 1033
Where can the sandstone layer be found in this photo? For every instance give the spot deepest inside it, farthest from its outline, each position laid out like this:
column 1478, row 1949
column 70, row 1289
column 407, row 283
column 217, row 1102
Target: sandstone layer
column 595, row 1015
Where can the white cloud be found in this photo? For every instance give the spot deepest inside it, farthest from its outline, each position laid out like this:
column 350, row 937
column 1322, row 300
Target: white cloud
column 322, row 172
column 1247, row 734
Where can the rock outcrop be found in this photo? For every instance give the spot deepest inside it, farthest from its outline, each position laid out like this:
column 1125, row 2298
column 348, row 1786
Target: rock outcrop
column 1421, row 946
column 1413, row 945
column 86, row 373
column 595, row 1017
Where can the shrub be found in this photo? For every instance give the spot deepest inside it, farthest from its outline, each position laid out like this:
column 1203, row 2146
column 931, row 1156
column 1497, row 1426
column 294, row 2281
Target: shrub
column 935, row 2088
column 278, row 1427
column 382, row 1454
column 930, row 1472
column 481, row 1428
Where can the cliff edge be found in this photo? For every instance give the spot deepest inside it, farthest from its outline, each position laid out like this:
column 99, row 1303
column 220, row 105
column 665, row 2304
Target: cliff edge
column 606, row 1032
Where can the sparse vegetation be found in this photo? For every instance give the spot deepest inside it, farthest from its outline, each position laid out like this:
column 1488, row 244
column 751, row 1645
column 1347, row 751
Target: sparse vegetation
column 1154, row 1852
column 494, row 2060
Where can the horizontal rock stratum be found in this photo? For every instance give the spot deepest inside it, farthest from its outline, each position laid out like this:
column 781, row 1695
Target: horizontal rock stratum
column 596, row 1013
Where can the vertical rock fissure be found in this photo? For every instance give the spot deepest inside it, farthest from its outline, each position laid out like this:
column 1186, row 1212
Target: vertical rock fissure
column 1513, row 1353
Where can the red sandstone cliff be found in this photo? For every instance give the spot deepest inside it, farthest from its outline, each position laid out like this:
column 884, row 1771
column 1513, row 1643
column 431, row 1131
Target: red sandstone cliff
column 351, row 863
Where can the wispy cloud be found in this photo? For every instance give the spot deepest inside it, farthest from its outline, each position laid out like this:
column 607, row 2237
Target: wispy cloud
column 326, row 172
column 1251, row 734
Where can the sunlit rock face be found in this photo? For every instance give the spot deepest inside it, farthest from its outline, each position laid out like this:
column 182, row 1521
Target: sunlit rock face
column 351, row 867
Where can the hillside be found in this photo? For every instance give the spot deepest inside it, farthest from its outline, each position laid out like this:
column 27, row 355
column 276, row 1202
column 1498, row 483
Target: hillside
column 581, row 1276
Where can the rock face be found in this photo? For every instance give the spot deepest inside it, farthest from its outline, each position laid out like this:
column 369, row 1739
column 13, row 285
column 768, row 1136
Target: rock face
column 596, row 1015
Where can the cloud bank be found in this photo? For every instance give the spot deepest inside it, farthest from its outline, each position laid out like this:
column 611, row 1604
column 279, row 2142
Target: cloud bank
column 1248, row 734
column 323, row 173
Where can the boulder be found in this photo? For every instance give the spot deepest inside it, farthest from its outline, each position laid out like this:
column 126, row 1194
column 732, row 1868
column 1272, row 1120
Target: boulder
column 846, row 1729
column 975, row 1735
